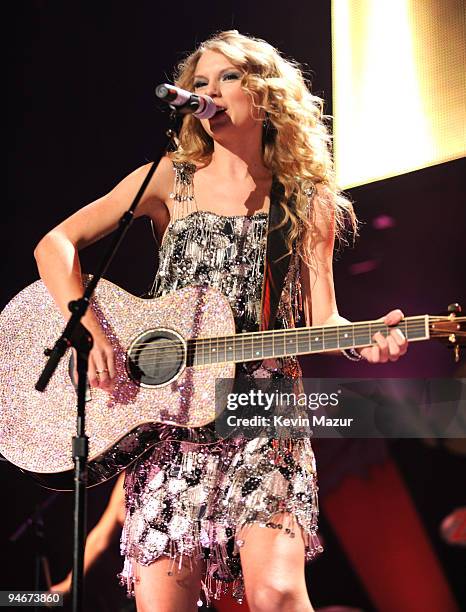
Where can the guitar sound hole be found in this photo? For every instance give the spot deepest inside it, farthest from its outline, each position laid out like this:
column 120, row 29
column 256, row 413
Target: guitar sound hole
column 156, row 357
column 74, row 379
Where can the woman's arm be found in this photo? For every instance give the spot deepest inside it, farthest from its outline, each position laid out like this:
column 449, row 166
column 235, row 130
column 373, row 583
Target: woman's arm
column 57, row 253
column 319, row 302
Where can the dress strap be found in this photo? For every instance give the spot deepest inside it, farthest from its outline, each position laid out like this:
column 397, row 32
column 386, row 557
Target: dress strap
column 183, row 190
column 282, row 291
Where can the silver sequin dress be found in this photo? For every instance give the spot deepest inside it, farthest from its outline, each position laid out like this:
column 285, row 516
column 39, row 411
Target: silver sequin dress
column 193, row 495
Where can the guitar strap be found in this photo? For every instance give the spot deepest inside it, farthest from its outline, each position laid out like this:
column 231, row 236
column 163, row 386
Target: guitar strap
column 277, row 258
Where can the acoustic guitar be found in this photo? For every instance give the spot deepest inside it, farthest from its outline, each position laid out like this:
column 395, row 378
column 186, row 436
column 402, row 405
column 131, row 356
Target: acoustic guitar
column 168, row 353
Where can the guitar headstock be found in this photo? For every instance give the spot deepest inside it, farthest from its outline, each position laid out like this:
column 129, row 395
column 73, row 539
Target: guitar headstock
column 450, row 329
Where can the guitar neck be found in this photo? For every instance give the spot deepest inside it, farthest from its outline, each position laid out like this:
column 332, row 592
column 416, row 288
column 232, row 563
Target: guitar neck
column 299, row 341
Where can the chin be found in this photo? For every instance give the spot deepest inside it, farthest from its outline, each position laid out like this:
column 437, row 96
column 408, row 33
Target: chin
column 219, row 130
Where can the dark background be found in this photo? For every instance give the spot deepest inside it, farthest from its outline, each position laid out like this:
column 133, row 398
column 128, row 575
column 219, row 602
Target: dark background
column 82, row 115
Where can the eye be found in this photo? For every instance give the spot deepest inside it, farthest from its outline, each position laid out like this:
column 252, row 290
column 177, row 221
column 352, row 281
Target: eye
column 199, row 84
column 231, row 76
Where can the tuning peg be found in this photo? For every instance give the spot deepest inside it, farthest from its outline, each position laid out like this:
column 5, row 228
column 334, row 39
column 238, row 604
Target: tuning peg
column 454, row 308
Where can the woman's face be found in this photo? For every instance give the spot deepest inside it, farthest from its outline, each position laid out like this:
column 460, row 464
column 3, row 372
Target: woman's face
column 217, row 77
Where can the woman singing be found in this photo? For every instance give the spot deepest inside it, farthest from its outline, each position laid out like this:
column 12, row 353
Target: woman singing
column 203, row 512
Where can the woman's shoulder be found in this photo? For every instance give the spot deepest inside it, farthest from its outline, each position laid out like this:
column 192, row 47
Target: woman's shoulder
column 169, row 169
column 184, row 170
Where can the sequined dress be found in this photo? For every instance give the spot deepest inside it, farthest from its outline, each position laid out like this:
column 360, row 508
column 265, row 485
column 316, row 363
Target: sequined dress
column 194, row 495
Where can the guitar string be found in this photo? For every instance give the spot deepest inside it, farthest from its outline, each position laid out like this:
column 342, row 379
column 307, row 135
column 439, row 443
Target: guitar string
column 327, row 330
column 162, row 358
column 201, row 343
column 245, row 347
column 250, row 339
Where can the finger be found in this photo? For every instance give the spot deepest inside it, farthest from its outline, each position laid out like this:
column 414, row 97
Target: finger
column 98, row 370
column 373, row 354
column 383, row 347
column 94, row 379
column 102, row 371
column 366, row 353
column 393, row 317
column 110, row 357
column 393, row 348
column 107, row 372
column 400, row 339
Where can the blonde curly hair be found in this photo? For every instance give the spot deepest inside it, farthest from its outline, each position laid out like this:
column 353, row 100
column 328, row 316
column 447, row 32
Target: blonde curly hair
column 296, row 141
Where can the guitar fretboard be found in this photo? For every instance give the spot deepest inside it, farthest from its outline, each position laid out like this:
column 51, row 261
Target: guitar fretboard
column 300, row 341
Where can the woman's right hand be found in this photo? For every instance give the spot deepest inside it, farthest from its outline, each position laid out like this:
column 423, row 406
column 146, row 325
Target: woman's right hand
column 101, row 372
column 101, row 369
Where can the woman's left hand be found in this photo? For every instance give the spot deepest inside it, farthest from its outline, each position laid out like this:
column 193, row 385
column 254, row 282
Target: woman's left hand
column 389, row 348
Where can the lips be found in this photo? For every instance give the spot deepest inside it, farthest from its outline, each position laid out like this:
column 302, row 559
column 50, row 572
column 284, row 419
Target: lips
column 219, row 117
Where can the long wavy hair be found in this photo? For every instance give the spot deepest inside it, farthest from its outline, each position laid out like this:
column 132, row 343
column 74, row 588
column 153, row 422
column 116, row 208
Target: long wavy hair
column 296, row 141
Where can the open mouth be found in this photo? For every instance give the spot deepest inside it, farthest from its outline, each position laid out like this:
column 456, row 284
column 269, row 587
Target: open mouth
column 220, row 109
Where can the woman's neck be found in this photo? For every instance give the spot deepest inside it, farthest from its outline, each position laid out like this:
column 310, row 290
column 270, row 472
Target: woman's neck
column 240, row 162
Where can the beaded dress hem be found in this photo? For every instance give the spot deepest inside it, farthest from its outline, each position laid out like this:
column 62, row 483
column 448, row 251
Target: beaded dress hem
column 180, row 516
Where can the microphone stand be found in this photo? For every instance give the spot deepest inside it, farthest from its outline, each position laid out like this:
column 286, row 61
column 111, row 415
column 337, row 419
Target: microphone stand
column 77, row 336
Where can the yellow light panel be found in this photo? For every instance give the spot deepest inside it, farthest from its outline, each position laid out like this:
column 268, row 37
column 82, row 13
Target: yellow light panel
column 399, row 86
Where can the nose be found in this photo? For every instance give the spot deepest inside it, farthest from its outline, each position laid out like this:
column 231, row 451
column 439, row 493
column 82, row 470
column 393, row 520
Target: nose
column 213, row 89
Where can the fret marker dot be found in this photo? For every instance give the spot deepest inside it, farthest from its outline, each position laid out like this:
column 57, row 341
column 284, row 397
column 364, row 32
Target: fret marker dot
column 316, row 338
column 346, row 335
column 213, row 350
column 257, row 352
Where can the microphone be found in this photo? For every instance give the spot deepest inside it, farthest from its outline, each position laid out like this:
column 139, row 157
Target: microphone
column 185, row 102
